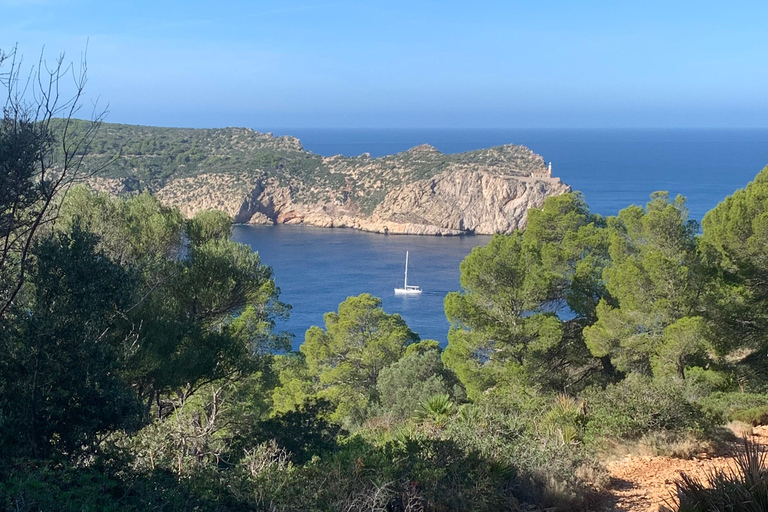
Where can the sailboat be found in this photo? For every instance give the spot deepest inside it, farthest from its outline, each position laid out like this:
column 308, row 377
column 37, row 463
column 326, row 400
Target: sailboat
column 407, row 289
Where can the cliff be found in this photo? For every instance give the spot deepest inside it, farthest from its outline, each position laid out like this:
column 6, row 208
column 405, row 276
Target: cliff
column 261, row 179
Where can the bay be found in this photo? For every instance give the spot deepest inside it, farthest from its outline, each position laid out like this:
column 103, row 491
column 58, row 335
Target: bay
column 318, row 268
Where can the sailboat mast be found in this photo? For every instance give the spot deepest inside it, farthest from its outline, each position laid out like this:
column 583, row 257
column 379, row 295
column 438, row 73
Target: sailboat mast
column 405, row 284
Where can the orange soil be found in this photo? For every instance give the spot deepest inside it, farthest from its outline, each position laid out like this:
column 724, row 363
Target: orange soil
column 646, row 484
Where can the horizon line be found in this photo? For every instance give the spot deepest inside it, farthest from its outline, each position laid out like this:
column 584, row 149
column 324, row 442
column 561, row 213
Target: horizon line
column 468, row 128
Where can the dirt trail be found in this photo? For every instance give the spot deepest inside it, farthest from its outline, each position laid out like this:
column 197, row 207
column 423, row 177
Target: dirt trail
column 646, row 484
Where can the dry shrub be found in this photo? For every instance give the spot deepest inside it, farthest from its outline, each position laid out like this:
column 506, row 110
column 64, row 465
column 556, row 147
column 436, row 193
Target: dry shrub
column 266, row 456
column 657, row 444
column 376, row 498
column 739, row 428
column 594, row 475
column 661, row 444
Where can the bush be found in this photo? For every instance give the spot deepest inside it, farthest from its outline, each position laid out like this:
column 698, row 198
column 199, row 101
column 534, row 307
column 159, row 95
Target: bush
column 304, row 432
column 43, row 485
column 405, row 385
column 725, row 407
column 531, row 433
column 412, row 470
column 639, row 405
column 755, row 416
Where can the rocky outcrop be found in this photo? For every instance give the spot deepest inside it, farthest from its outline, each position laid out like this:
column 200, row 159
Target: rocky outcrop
column 468, row 202
column 450, row 203
column 261, row 179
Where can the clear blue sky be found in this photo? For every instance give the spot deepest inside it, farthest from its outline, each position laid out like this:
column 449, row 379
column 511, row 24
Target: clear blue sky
column 476, row 63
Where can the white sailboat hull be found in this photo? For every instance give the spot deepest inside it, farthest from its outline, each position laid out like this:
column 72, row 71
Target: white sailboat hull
column 407, row 291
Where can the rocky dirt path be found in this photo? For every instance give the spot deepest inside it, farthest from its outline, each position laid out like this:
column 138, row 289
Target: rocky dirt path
column 646, row 484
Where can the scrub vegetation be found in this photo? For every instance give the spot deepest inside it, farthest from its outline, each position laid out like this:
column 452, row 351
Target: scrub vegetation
column 134, row 159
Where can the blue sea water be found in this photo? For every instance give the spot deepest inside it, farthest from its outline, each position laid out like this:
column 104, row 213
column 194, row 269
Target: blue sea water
column 318, row 268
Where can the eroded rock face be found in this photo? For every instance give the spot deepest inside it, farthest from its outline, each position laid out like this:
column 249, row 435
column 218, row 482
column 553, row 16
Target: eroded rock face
column 474, row 202
column 451, row 203
column 419, row 191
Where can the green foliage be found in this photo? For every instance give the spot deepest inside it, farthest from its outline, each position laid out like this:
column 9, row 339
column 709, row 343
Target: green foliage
column 211, row 429
column 683, row 344
column 127, row 304
column 524, row 430
column 151, row 156
column 445, row 476
column 408, row 383
column 650, row 324
column 203, row 309
column 639, row 292
column 734, row 236
column 296, row 385
column 703, row 382
column 639, row 405
column 504, row 325
column 137, row 231
column 59, row 384
column 304, row 432
column 48, row 487
column 141, row 369
column 565, row 420
column 209, row 225
column 438, row 408
column 37, row 161
column 346, row 358
column 727, row 406
column 410, row 471
column 33, row 485
column 23, row 193
column 755, row 416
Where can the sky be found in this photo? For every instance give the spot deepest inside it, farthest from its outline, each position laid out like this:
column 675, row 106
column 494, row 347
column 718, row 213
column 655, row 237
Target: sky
column 409, row 64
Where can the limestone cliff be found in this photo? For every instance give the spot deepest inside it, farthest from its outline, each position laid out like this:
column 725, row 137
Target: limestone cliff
column 450, row 203
column 260, row 179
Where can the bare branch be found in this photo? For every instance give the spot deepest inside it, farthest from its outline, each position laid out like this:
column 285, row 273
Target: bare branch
column 35, row 172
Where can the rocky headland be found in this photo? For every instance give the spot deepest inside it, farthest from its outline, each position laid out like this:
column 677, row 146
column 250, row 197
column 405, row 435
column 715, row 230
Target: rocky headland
column 262, row 179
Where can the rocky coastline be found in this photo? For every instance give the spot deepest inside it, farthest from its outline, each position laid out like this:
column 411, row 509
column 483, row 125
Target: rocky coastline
column 418, row 192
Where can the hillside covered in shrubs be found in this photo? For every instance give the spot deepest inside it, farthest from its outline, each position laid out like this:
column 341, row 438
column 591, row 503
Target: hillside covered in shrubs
column 141, row 368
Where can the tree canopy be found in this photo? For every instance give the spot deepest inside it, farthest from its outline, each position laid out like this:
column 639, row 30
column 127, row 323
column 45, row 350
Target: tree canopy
column 344, row 360
column 734, row 238
column 655, row 280
column 526, row 298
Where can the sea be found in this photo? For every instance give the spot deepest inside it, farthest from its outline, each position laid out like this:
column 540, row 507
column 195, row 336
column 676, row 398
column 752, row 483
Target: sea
column 318, row 268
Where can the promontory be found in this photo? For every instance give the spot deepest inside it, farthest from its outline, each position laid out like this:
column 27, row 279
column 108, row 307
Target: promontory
column 259, row 178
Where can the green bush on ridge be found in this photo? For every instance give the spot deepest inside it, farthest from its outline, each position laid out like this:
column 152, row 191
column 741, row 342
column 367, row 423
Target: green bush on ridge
column 723, row 407
column 638, row 405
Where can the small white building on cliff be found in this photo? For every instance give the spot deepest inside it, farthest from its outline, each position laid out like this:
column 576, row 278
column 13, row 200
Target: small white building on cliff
column 547, row 173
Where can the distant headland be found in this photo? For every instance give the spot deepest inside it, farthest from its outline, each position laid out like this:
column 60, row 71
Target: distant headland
column 258, row 178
